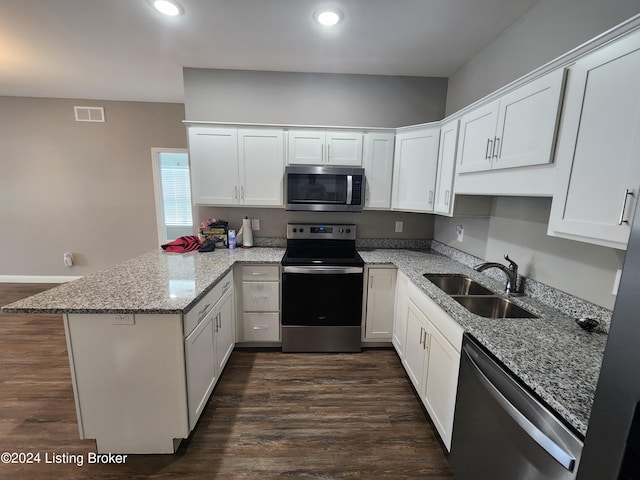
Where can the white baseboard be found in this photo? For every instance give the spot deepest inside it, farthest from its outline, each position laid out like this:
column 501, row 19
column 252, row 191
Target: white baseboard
column 37, row 278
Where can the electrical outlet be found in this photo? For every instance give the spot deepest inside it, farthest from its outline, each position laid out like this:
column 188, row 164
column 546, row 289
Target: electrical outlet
column 460, row 232
column 255, row 224
column 399, row 227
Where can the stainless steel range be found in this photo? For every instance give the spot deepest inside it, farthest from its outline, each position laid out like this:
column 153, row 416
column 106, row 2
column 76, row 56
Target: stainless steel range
column 322, row 281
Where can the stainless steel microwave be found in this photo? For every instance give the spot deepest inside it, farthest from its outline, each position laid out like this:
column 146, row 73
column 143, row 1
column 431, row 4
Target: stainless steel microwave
column 324, row 189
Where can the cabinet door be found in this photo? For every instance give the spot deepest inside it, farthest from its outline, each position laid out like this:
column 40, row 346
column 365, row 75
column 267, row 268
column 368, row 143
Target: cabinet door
column 599, row 147
column 344, row 148
column 415, row 349
column 414, row 170
column 213, row 159
column 527, row 122
column 441, row 383
column 261, row 167
column 378, row 169
column 400, row 316
column 446, row 168
column 477, row 129
column 201, row 366
column 306, row 147
column 380, row 303
column 225, row 330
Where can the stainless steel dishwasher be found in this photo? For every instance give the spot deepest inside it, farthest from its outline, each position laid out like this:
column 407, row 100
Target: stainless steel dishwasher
column 501, row 431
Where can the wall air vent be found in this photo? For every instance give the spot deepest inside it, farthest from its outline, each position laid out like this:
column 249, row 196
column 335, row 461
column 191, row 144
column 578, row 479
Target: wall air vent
column 89, row 114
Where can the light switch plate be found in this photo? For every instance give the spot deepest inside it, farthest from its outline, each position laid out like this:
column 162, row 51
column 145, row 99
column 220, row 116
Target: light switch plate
column 460, row 232
column 255, row 224
column 399, row 227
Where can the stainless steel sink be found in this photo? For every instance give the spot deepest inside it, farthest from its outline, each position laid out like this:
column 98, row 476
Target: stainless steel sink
column 456, row 284
column 492, row 307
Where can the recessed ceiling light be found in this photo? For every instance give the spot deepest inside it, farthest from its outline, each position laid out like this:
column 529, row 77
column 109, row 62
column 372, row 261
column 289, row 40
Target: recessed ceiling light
column 168, row 7
column 327, row 18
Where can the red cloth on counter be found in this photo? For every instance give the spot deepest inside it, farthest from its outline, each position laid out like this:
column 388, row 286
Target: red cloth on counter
column 187, row 243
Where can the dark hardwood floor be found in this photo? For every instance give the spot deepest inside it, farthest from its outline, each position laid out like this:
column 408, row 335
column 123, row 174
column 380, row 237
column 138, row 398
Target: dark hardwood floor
column 272, row 415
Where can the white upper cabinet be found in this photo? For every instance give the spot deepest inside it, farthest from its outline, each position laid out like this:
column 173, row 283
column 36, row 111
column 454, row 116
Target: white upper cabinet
column 213, row 162
column 261, row 167
column 414, row 169
column 516, row 130
column 378, row 169
column 322, row 147
column 599, row 147
column 236, row 167
column 446, row 168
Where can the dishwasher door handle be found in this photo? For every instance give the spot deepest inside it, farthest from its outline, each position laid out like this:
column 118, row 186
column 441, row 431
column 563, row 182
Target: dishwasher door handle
column 552, row 448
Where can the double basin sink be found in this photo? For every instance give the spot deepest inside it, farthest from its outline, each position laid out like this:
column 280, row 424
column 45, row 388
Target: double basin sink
column 476, row 298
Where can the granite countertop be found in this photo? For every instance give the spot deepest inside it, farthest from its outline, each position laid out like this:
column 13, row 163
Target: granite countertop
column 156, row 282
column 551, row 354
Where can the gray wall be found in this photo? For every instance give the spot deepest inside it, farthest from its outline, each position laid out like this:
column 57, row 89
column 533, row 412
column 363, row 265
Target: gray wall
column 518, row 225
column 312, row 98
column 80, row 187
column 549, row 29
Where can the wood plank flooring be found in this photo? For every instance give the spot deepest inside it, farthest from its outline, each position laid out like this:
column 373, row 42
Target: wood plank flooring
column 272, row 415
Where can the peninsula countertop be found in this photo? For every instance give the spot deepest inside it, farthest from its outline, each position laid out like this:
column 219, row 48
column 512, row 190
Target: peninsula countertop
column 551, row 354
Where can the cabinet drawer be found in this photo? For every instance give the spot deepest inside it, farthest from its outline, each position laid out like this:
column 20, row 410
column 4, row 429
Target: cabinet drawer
column 261, row 273
column 200, row 309
column 261, row 327
column 260, row 296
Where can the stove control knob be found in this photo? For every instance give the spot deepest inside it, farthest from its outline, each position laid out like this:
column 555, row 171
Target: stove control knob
column 341, row 230
column 348, row 230
column 301, row 229
column 295, row 229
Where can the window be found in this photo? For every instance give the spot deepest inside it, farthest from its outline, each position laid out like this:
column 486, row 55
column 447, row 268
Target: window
column 173, row 193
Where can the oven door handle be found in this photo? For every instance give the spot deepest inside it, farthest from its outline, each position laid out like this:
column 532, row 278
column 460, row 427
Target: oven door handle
column 324, row 270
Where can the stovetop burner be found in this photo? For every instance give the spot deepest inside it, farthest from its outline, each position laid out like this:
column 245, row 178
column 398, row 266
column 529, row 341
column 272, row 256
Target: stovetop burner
column 321, row 244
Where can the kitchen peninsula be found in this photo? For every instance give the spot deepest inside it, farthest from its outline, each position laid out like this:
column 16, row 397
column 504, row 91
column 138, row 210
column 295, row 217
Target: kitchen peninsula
column 128, row 331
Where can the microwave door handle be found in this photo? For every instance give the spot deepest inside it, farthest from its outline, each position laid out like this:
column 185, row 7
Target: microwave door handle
column 349, row 189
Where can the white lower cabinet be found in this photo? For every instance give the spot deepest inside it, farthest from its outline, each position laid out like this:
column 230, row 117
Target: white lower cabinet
column 380, row 303
column 207, row 349
column 260, row 305
column 430, row 354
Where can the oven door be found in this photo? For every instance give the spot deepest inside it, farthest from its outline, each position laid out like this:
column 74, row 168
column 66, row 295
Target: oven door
column 322, row 296
column 322, row 309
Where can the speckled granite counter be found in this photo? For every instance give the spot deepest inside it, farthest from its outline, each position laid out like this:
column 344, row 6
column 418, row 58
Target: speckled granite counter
column 551, row 354
column 156, row 282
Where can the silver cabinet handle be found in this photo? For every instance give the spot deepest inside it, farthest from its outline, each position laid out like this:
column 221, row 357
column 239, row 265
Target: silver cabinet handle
column 430, row 196
column 552, row 448
column 226, row 287
column 421, row 331
column 235, row 192
column 204, row 310
column 487, row 153
column 627, row 194
column 328, row 153
column 242, row 192
column 322, row 153
column 446, row 197
column 496, row 147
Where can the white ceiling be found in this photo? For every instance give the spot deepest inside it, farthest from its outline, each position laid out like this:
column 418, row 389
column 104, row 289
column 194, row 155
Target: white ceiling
column 125, row 50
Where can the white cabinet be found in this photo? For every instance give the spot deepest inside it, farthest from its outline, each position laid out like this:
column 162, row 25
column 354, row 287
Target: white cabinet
column 260, row 303
column 325, row 147
column 213, row 163
column 514, row 131
column 414, row 169
column 431, row 355
column 200, row 364
column 381, row 288
column 599, row 147
column 378, row 169
column 209, row 346
column 236, row 167
column 446, row 168
column 400, row 315
column 261, row 167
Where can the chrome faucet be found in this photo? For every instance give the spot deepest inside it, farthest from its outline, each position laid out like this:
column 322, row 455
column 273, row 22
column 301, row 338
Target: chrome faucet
column 511, row 272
